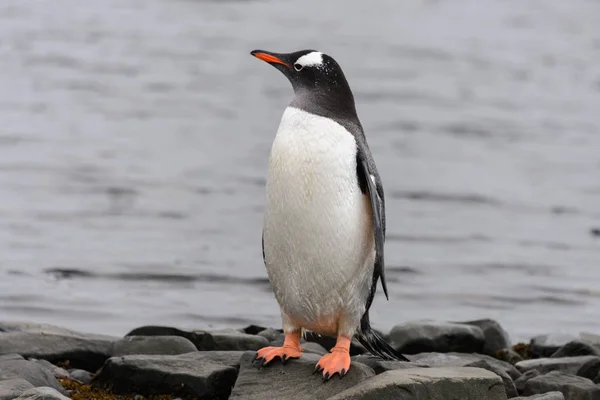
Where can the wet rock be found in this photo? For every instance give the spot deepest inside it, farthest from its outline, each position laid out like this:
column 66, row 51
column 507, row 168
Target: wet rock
column 545, row 396
column 55, row 344
column 508, row 355
column 379, row 366
column 496, row 338
column 461, row 360
column 546, row 345
column 428, row 383
column 82, row 376
column 189, row 375
column 576, row 348
column 520, row 382
column 571, row 386
column 509, row 385
column 590, row 369
column 58, row 372
column 30, row 371
column 164, row 345
column 238, row 341
column 11, row 388
column 294, row 380
column 442, row 337
column 42, row 393
column 569, row 365
column 271, row 334
column 201, row 339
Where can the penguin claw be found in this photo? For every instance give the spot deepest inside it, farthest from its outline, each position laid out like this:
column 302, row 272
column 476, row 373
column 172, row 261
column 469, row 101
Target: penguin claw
column 326, row 377
column 336, row 362
column 268, row 354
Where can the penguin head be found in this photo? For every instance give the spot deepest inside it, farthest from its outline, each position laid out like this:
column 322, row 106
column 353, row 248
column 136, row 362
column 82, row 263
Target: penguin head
column 308, row 71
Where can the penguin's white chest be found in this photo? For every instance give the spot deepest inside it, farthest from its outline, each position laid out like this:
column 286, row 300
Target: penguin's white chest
column 318, row 235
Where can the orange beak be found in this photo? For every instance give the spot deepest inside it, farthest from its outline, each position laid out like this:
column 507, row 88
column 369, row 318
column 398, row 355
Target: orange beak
column 270, row 58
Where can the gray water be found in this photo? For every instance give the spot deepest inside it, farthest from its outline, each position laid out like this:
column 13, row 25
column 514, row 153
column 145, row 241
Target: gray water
column 134, row 138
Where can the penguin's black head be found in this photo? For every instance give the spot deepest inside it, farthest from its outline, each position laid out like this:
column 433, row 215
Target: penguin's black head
column 317, row 79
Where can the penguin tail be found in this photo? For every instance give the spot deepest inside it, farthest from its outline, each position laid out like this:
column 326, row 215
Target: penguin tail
column 374, row 343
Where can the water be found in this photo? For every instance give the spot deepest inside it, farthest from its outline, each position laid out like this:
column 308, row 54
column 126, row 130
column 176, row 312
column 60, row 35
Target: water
column 134, row 138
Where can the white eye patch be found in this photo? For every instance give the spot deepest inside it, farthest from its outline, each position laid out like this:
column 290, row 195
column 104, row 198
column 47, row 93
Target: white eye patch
column 314, row 59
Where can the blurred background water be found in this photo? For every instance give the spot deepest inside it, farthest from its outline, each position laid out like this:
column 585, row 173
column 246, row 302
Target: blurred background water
column 134, row 139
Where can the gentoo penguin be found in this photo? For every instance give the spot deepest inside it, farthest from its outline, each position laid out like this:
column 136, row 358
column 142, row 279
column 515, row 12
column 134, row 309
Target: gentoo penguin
column 324, row 223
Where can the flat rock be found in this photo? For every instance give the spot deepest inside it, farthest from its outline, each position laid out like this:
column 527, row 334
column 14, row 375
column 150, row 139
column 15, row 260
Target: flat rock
column 428, row 383
column 461, row 360
column 520, row 382
column 11, row 388
column 568, row 365
column 509, row 385
column 294, row 380
column 163, row 345
column 81, row 375
column 571, row 386
column 442, row 337
column 238, row 341
column 30, row 371
column 55, row 344
column 379, row 365
column 201, row 375
column 496, row 338
column 201, row 339
column 42, row 393
column 576, row 348
column 544, row 396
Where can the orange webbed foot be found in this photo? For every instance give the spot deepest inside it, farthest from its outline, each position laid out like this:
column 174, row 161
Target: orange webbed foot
column 290, row 349
column 337, row 361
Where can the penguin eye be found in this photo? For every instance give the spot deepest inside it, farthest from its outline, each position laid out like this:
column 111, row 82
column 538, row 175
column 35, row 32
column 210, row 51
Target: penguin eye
column 298, row 67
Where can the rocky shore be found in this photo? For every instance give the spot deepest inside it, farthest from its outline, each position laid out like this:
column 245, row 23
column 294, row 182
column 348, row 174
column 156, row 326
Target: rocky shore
column 449, row 360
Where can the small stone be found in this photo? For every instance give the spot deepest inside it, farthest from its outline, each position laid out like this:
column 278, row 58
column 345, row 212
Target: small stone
column 573, row 387
column 164, row 345
column 42, row 393
column 188, row 375
column 509, row 385
column 201, row 339
column 442, row 337
column 271, row 334
column 520, row 382
column 11, row 388
column 82, row 376
column 294, row 380
column 508, row 355
column 496, row 338
column 569, row 365
column 575, row 348
column 254, row 329
column 58, row 372
column 55, row 344
column 238, row 341
column 544, row 396
column 461, row 360
column 428, row 383
column 590, row 369
column 30, row 371
column 379, row 366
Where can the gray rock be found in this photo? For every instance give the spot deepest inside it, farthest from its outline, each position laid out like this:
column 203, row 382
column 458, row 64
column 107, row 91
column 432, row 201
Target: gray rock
column 30, row 371
column 42, row 393
column 571, row 386
column 509, row 385
column 522, row 380
column 55, row 344
column 6, row 357
column 58, row 372
column 496, row 338
column 201, row 339
column 544, row 396
column 238, row 341
column 271, row 334
column 294, row 380
column 508, row 355
column 379, row 366
column 316, row 348
column 11, row 388
column 428, row 383
column 163, row 345
column 328, row 343
column 461, row 360
column 82, row 376
column 443, row 337
column 569, row 365
column 576, row 348
column 196, row 374
column 590, row 369
column 546, row 345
